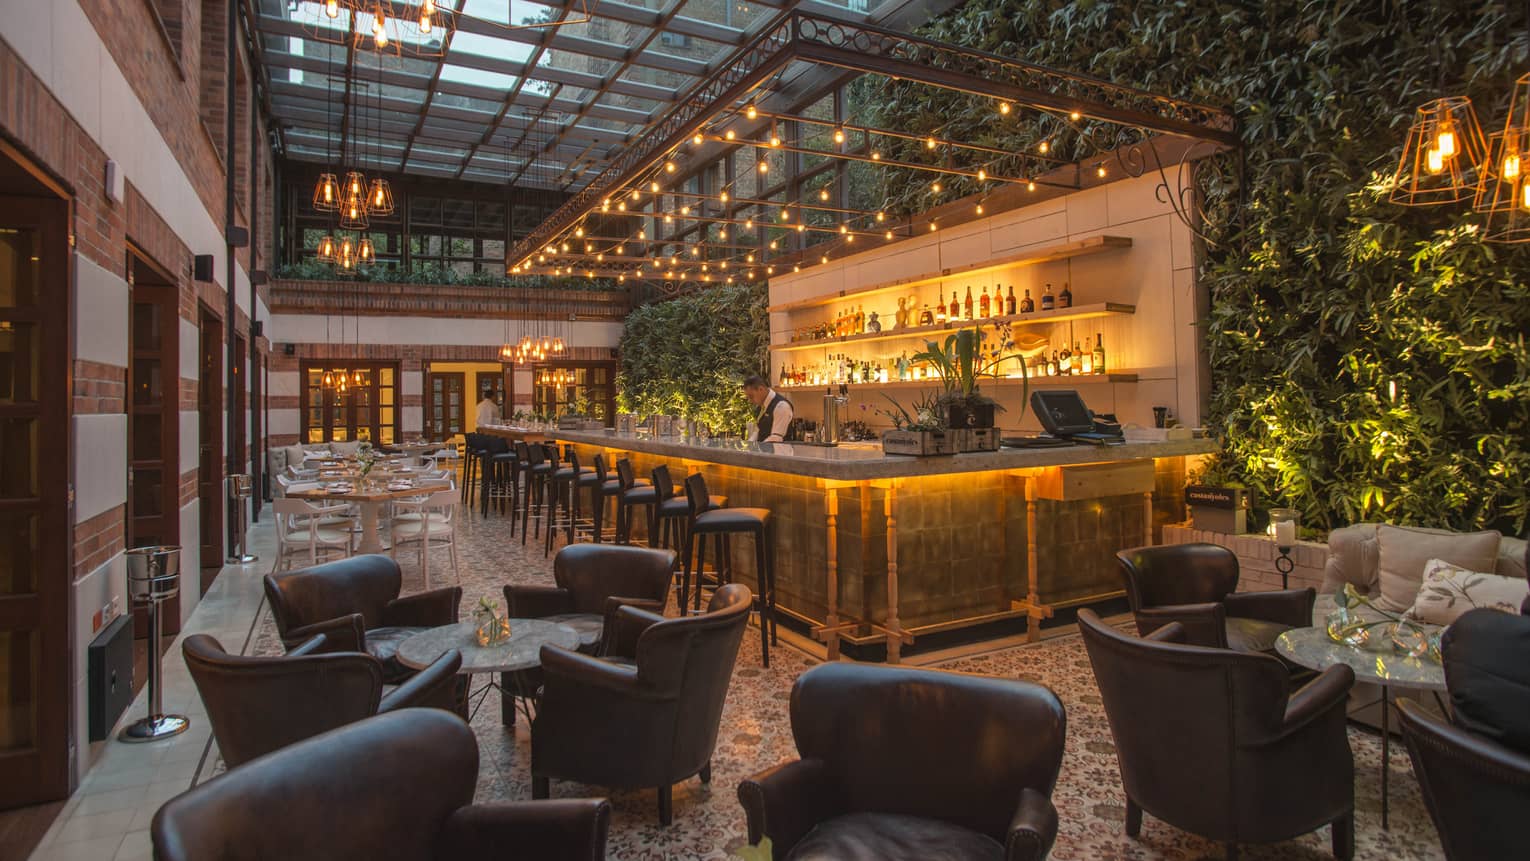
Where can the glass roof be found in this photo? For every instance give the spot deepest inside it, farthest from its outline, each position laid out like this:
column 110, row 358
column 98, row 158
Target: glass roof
column 489, row 95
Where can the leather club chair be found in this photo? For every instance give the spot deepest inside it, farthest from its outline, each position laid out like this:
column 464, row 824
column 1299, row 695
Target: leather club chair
column 590, row 582
column 1475, row 770
column 396, row 786
column 355, row 604
column 1196, row 585
column 257, row 705
column 647, row 714
column 1214, row 741
column 902, row 763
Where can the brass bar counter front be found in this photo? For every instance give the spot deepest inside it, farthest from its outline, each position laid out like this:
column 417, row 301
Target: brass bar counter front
column 875, row 548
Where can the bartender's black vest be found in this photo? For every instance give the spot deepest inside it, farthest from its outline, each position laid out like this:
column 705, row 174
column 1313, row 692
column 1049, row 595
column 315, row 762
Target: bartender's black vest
column 766, row 418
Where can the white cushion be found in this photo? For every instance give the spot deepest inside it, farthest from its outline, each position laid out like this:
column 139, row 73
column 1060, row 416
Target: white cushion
column 295, row 455
column 1450, row 590
column 1404, row 553
column 344, row 449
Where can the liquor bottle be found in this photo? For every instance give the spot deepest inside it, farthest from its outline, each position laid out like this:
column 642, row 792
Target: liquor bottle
column 1078, row 358
column 866, row 372
column 985, row 305
column 1099, row 353
column 940, row 312
column 967, row 306
column 784, row 378
column 1027, row 305
column 927, row 317
column 1065, row 298
column 1065, row 361
column 1052, row 365
column 1047, row 302
column 860, row 318
column 1009, row 302
column 955, row 309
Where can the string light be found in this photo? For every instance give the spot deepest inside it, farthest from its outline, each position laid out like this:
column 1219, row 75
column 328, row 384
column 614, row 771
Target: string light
column 982, row 175
column 697, row 139
column 1004, row 108
column 1045, row 146
column 750, row 111
column 669, row 167
column 887, row 235
column 929, row 143
column 839, row 135
column 728, row 135
column 935, row 186
column 881, row 216
column 764, row 168
column 1074, row 116
column 876, row 156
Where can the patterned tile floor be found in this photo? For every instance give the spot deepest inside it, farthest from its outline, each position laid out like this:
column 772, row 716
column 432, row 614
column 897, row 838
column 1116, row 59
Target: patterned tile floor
column 756, row 734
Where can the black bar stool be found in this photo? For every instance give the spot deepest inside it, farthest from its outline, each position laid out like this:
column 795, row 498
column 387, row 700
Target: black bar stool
column 673, row 512
column 562, row 488
column 537, row 471
column 471, row 453
column 726, row 522
column 634, row 492
column 606, row 487
column 500, row 475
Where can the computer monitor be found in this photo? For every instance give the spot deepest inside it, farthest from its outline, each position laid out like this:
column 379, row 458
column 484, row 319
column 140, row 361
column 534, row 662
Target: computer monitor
column 1062, row 412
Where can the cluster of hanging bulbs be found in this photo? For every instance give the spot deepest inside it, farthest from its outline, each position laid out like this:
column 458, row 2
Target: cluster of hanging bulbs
column 379, row 12
column 341, row 382
column 1448, row 159
column 556, row 377
column 531, row 349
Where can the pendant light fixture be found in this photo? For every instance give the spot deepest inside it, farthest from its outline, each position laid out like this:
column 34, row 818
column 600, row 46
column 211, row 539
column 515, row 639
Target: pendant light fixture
column 326, row 250
column 1444, row 156
column 364, row 251
column 1505, row 195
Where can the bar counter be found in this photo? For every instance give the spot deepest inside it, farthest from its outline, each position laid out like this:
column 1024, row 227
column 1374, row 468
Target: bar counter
column 879, row 549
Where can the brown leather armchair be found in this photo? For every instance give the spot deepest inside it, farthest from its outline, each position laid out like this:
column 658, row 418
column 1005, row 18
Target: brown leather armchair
column 648, row 713
column 1196, row 585
column 257, row 705
column 910, row 764
column 590, row 582
column 397, row 786
column 1475, row 770
column 355, row 604
column 1214, row 741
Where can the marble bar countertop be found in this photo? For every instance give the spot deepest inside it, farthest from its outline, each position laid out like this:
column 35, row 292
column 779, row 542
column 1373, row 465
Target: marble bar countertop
column 866, row 461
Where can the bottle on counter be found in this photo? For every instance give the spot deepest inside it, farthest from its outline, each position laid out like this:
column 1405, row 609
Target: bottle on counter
column 784, row 378
column 1027, row 305
column 955, row 309
column 1099, row 353
column 967, row 306
column 1083, row 363
column 985, row 305
column 1052, row 365
column 1065, row 361
column 1065, row 298
column 1009, row 302
column 927, row 317
column 940, row 312
column 860, row 319
column 1047, row 301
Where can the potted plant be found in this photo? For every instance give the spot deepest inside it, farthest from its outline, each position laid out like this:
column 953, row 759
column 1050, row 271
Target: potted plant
column 922, row 432
column 960, row 362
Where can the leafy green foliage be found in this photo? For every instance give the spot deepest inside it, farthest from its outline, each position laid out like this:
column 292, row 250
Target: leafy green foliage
column 689, row 356
column 312, row 270
column 1368, row 361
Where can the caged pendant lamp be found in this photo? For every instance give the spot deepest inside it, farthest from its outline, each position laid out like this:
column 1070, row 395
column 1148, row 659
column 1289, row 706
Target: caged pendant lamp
column 1504, row 199
column 1445, row 156
column 326, row 193
column 326, row 250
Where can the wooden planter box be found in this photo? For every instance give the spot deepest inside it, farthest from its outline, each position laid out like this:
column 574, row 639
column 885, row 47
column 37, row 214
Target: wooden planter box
column 962, row 416
column 979, row 439
column 920, row 443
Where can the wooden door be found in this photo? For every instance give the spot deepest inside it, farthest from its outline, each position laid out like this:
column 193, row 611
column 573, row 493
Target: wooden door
column 443, row 401
column 153, row 407
column 210, row 446
column 35, row 500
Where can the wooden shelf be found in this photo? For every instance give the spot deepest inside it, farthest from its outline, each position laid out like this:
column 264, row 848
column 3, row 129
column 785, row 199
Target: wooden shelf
column 1077, row 312
column 1045, row 254
column 987, row 384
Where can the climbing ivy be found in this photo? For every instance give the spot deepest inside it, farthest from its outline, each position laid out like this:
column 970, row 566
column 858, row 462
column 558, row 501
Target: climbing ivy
column 689, row 356
column 1368, row 361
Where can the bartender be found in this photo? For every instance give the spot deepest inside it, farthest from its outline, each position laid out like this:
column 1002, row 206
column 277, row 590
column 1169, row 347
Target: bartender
column 773, row 413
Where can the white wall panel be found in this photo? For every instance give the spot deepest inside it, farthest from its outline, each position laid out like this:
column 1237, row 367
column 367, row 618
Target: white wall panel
column 100, row 464
column 190, row 439
column 284, row 384
column 284, row 421
column 101, row 314
column 191, row 351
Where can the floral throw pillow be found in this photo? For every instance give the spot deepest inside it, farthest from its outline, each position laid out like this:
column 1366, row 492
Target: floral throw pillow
column 1450, row 590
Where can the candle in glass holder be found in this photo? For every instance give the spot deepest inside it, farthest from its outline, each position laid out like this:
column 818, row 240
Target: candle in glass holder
column 1285, row 533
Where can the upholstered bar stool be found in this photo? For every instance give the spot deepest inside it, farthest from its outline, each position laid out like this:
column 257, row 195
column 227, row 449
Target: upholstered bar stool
column 563, row 487
column 724, row 523
column 472, row 445
column 493, row 455
column 673, row 511
column 537, row 471
column 634, row 492
column 604, row 487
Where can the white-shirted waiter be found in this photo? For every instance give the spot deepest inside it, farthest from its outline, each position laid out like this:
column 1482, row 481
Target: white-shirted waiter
column 773, row 417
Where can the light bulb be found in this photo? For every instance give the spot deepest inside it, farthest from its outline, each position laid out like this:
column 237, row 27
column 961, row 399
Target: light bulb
column 1044, row 147
column 876, row 156
column 1100, row 171
column 823, row 194
column 697, row 139
column 579, row 232
column 982, row 175
column 1030, row 186
column 1004, row 108
column 1434, row 160
column 839, row 135
column 750, row 112
column 980, row 209
column 887, row 235
column 764, row 168
column 728, row 135
column 785, row 216
column 722, row 196
column 932, row 227
column 881, row 216
column 654, row 186
column 424, row 23
column 929, row 143
column 1445, row 141
column 801, row 227
column 935, row 186
column 722, row 234
column 775, row 140
column 1525, row 195
column 428, row 7
column 685, row 210
column 843, row 229
column 749, row 224
column 329, row 193
column 1074, row 116
column 379, row 31
column 332, row 9
column 379, row 197
column 1511, row 166
column 669, row 167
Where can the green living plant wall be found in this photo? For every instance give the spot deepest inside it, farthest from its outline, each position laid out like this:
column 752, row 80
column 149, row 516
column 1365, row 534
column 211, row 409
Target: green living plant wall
column 689, row 356
column 1368, row 361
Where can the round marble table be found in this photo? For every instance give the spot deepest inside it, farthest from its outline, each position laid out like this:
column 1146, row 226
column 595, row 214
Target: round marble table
column 1376, row 663
column 522, row 652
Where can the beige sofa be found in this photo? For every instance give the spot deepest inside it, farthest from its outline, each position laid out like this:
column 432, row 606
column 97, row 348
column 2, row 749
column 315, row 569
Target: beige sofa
column 1354, row 556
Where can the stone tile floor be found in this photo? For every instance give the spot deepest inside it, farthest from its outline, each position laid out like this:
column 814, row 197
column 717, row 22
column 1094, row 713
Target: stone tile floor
column 106, row 818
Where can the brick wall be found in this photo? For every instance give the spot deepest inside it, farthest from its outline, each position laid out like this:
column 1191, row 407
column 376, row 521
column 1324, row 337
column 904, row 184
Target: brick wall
column 98, row 539
column 440, row 300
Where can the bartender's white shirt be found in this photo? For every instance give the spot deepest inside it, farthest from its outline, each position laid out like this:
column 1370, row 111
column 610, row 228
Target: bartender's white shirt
column 488, row 412
column 781, row 420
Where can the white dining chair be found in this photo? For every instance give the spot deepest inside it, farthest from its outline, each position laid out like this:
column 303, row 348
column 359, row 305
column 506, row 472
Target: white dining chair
column 300, row 530
column 431, row 523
